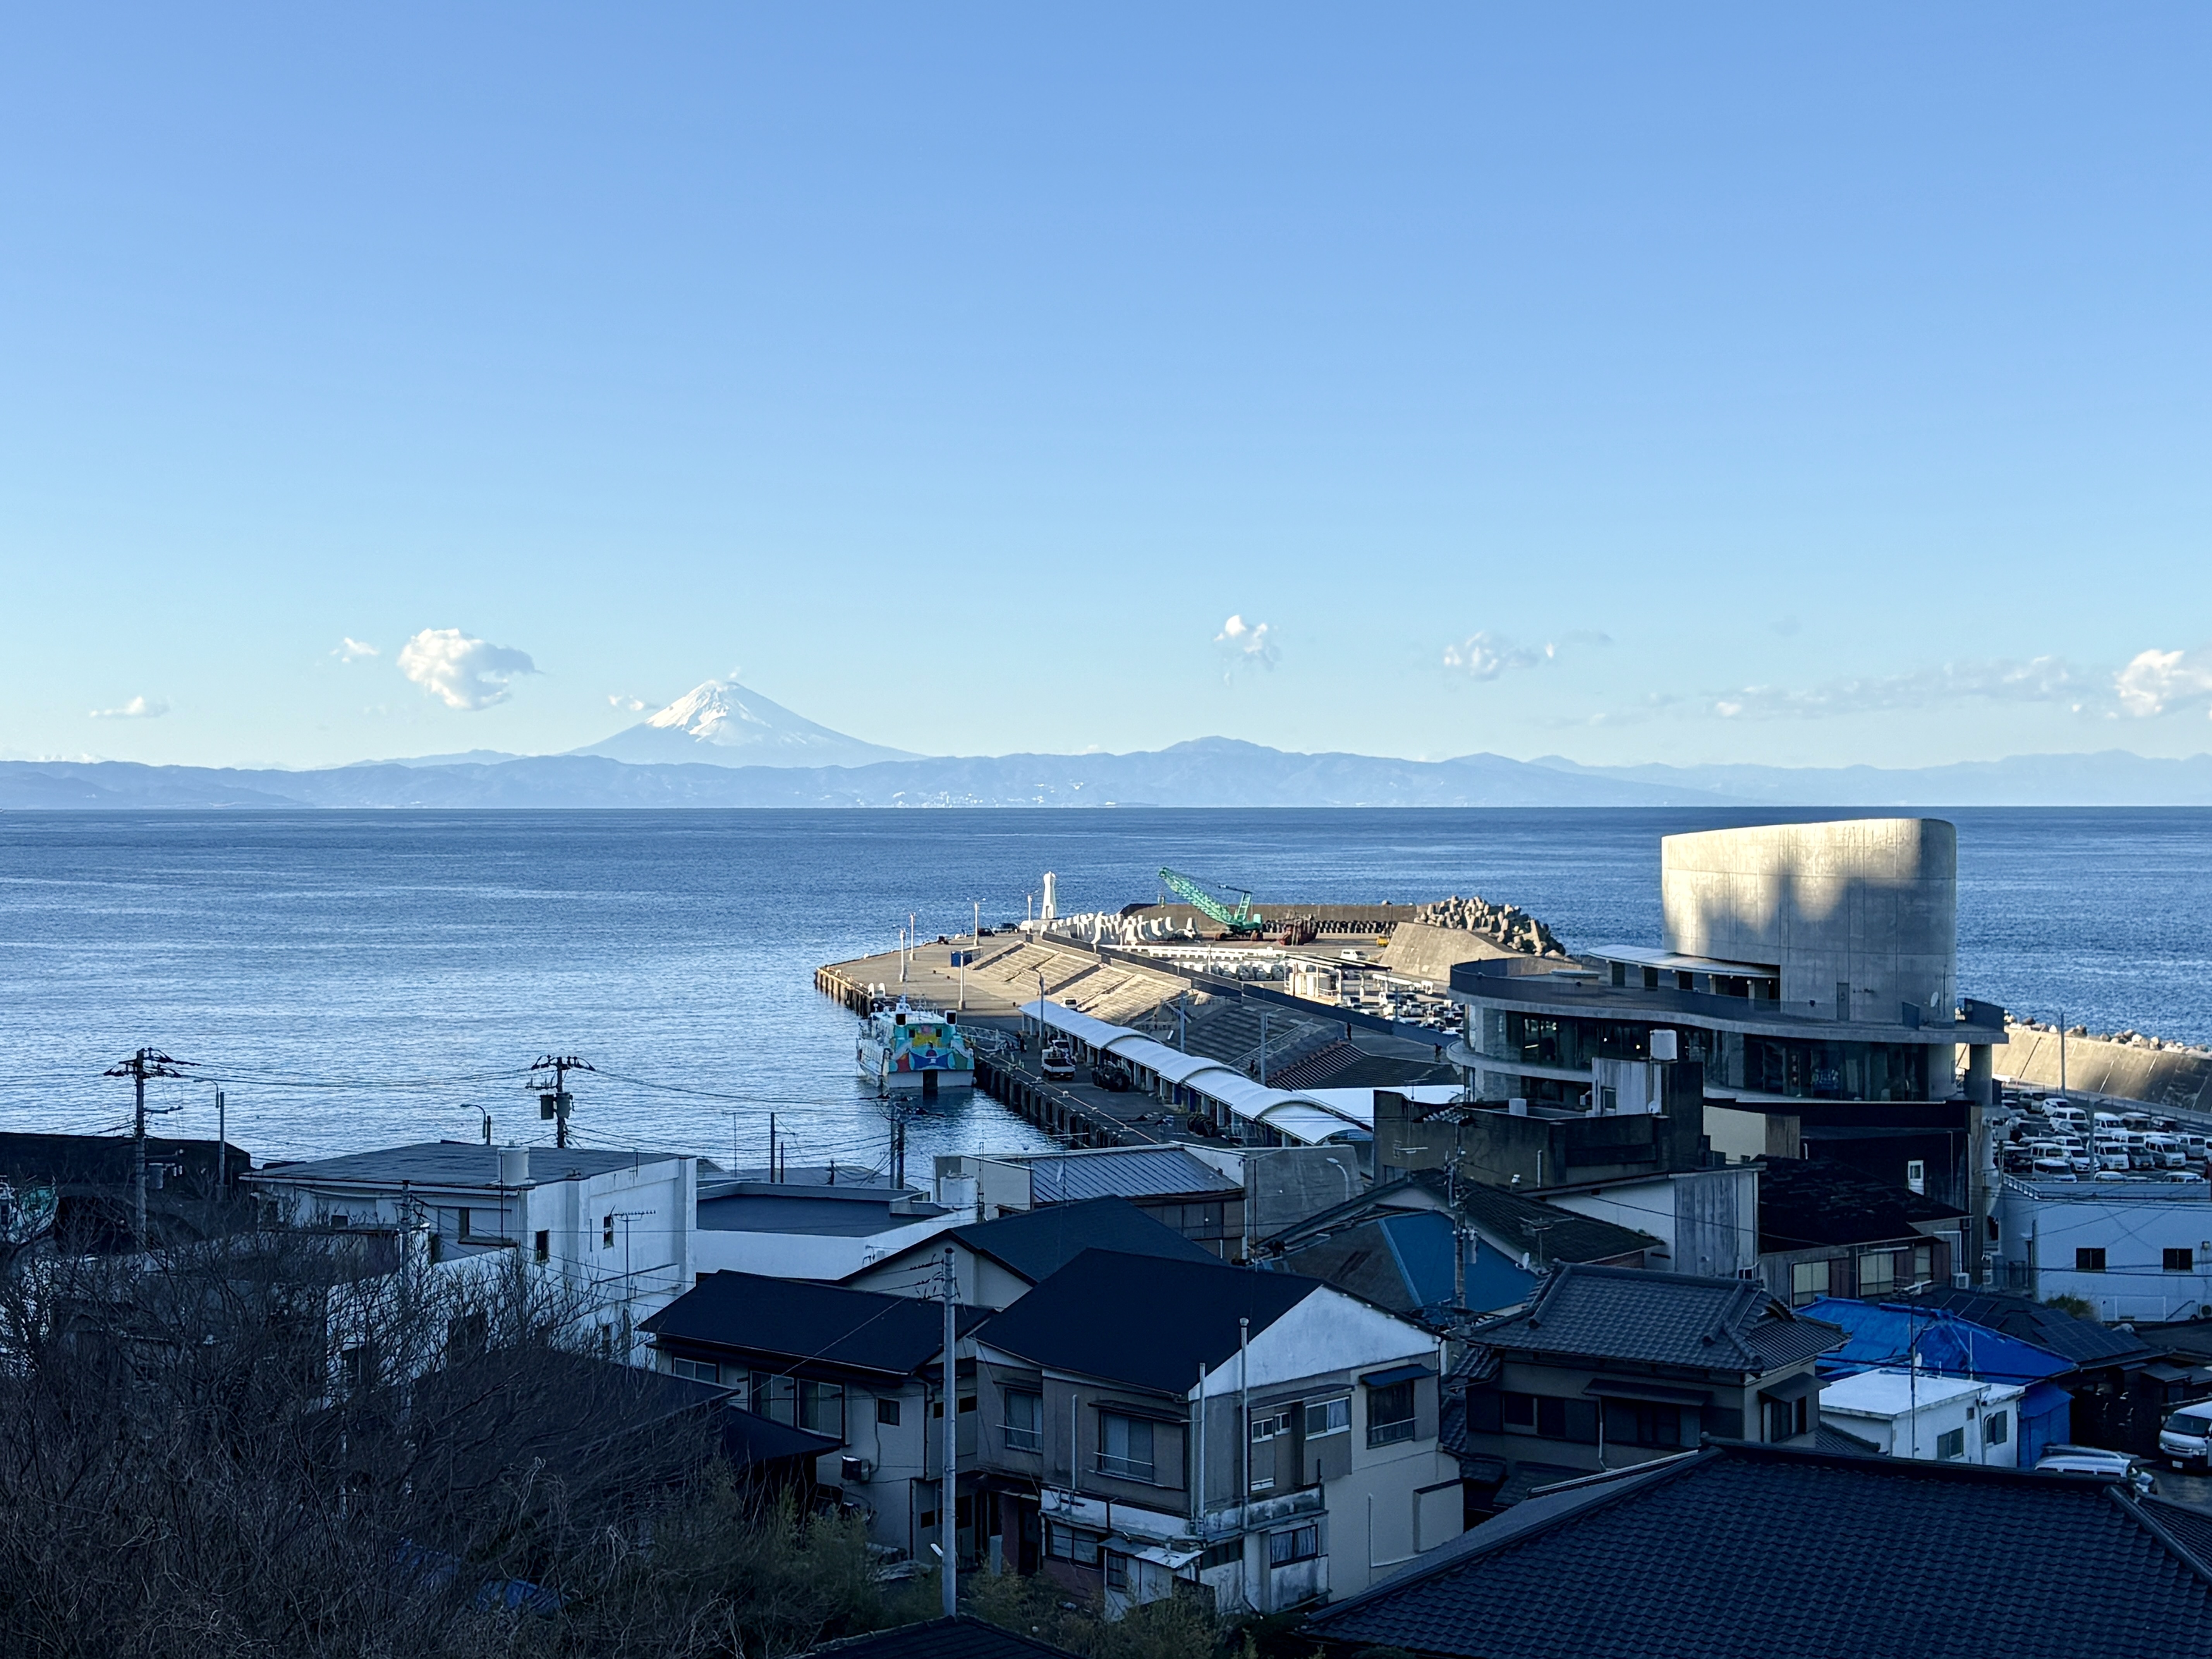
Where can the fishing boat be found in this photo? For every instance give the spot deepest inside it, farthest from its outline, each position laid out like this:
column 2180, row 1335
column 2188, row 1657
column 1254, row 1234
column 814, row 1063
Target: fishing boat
column 904, row 1049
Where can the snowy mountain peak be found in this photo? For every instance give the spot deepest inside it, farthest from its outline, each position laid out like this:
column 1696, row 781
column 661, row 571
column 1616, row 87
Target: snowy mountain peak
column 721, row 723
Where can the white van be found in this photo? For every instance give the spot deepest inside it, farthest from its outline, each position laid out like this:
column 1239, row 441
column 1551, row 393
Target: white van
column 2059, row 1112
column 2185, row 1442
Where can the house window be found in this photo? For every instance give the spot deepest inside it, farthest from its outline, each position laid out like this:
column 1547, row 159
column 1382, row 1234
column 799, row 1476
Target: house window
column 1640, row 1423
column 822, row 1408
column 2182, row 1260
column 1023, row 1411
column 1071, row 1544
column 1787, row 1418
column 1808, row 1282
column 1390, row 1413
column 606, row 1232
column 1221, row 1555
column 1916, row 1175
column 2089, row 1261
column 1269, row 1424
column 1117, row 1569
column 1952, row 1443
column 1923, row 1263
column 1328, row 1417
column 542, row 1246
column 1878, row 1273
column 699, row 1371
column 776, row 1398
column 1125, row 1446
column 1298, row 1544
column 1995, row 1428
column 887, row 1411
column 1518, row 1411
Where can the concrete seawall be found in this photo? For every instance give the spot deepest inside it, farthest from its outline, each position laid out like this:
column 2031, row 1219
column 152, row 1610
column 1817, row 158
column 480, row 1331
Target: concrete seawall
column 2178, row 1078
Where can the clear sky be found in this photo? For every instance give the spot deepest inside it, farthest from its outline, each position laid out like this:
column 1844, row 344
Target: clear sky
column 1806, row 384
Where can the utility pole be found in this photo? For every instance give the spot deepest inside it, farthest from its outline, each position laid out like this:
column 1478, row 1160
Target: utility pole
column 948, row 1495
column 556, row 1104
column 145, row 1063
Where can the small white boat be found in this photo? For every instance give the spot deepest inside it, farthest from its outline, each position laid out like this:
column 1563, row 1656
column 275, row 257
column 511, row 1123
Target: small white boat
column 904, row 1049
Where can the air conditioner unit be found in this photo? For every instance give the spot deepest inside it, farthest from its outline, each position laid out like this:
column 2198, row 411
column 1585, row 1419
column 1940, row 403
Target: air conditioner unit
column 1962, row 1281
column 855, row 1471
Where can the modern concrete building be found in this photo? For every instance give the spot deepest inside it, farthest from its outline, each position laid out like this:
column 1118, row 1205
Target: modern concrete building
column 1807, row 967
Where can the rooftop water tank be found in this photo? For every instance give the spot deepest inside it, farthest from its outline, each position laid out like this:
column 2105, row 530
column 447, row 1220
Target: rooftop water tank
column 514, row 1166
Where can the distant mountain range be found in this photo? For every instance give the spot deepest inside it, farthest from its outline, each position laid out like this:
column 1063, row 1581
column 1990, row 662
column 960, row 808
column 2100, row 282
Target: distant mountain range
column 722, row 745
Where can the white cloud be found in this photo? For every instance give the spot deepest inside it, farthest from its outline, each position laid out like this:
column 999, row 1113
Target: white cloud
column 2039, row 679
column 352, row 650
column 1247, row 645
column 2156, row 681
column 619, row 700
column 1485, row 656
column 138, row 708
column 462, row 672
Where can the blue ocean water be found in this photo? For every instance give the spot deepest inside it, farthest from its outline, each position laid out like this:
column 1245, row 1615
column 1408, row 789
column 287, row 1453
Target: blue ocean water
column 358, row 978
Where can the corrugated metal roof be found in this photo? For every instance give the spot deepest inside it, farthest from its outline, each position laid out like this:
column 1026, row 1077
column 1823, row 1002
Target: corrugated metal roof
column 1123, row 1172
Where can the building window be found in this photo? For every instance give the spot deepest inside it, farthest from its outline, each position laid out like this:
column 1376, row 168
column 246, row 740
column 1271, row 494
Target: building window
column 822, row 1408
column 887, row 1411
column 1517, row 1411
column 1916, row 1175
column 1328, row 1417
column 1117, row 1569
column 543, row 1247
column 776, row 1398
column 1995, row 1428
column 1390, row 1413
column 1023, row 1411
column 606, row 1232
column 1878, row 1273
column 2182, row 1260
column 1787, row 1418
column 1808, row 1282
column 1222, row 1555
column 1639, row 1422
column 699, row 1371
column 2089, row 1261
column 1952, row 1443
column 1923, row 1263
column 1125, row 1446
column 1298, row 1544
column 1268, row 1425
column 1071, row 1544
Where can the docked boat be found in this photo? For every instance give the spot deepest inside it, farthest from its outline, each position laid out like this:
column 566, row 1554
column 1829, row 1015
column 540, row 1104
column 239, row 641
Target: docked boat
column 905, row 1050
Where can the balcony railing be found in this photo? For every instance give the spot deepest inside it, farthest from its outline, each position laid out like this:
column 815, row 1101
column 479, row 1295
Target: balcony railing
column 1385, row 1434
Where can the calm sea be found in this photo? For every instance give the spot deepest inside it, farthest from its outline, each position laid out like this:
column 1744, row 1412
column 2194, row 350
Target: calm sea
column 358, row 978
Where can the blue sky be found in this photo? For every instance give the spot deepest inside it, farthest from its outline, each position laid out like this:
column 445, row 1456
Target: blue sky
column 1804, row 385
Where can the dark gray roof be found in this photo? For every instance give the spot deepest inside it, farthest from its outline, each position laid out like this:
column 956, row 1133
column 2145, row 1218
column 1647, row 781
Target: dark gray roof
column 1037, row 1244
column 465, row 1164
column 863, row 1215
column 1145, row 1321
column 798, row 1323
column 1548, row 1232
column 1660, row 1318
column 1743, row 1553
column 1807, row 1202
column 1127, row 1172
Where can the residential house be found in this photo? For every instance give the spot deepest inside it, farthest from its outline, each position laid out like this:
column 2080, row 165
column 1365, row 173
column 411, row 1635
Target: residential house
column 1606, row 1366
column 861, row 1369
column 996, row 1262
column 1395, row 1245
column 1745, row 1552
column 825, row 1230
column 81, row 1191
column 1148, row 1421
column 1889, row 1335
column 1826, row 1229
column 614, row 1227
column 1175, row 1185
column 2131, row 1250
column 1910, row 1414
column 2122, row 1387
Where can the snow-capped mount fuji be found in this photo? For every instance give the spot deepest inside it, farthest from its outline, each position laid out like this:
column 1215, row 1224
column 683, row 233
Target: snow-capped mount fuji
column 719, row 723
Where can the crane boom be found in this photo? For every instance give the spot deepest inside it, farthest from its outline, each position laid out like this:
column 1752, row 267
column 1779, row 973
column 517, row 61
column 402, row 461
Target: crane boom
column 1241, row 919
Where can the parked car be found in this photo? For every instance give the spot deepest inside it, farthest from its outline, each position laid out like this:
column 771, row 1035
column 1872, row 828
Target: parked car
column 1112, row 1079
column 2095, row 1460
column 2185, row 1442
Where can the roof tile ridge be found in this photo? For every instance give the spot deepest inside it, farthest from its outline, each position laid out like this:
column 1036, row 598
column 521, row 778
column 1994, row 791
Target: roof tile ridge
column 2133, row 1507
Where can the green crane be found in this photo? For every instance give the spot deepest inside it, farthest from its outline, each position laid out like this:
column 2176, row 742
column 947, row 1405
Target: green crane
column 1241, row 919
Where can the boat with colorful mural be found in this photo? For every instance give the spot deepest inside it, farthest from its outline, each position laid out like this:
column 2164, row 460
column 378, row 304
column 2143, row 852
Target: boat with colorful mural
column 912, row 1049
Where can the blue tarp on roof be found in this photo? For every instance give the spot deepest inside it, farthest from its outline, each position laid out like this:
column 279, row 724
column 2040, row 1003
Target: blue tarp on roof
column 1887, row 1333
column 2046, row 1418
